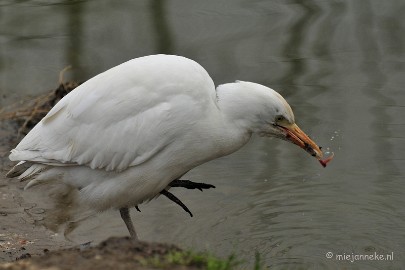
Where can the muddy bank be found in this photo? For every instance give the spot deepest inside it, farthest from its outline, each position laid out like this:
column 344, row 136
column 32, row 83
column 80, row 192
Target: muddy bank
column 19, row 232
column 114, row 253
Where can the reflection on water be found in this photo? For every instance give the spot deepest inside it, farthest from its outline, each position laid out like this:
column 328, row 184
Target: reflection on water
column 74, row 30
column 164, row 42
column 340, row 64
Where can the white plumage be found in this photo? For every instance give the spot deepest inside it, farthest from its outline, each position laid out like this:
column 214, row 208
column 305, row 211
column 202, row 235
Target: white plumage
column 124, row 135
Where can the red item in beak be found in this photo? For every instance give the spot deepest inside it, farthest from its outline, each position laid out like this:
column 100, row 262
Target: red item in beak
column 325, row 161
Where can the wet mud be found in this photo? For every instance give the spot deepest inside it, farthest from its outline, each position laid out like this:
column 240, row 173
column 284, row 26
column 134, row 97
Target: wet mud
column 114, row 253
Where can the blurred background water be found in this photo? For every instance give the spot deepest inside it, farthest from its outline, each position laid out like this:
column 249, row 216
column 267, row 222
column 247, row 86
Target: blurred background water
column 339, row 63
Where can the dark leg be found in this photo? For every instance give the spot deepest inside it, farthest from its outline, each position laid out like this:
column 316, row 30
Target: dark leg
column 176, row 200
column 128, row 222
column 190, row 185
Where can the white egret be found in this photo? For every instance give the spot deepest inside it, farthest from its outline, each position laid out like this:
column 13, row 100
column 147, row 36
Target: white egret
column 128, row 134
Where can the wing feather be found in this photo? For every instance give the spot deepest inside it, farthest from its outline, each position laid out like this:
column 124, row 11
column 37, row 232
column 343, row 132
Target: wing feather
column 122, row 117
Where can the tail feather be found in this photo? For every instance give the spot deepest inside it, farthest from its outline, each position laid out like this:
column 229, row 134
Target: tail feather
column 32, row 171
column 18, row 169
column 26, row 171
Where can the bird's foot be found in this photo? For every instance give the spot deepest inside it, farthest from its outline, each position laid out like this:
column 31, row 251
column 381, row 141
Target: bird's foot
column 190, row 185
column 185, row 184
column 176, row 200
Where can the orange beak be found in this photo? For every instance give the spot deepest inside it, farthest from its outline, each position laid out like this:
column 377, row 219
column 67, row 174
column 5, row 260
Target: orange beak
column 295, row 135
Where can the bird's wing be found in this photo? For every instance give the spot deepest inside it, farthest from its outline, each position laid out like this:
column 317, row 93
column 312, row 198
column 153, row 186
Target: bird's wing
column 116, row 120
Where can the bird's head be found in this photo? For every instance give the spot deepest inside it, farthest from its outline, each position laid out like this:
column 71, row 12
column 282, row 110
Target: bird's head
column 265, row 112
column 283, row 128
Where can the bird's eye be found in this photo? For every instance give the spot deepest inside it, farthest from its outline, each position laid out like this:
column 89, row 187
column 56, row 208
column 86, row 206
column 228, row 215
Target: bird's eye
column 279, row 118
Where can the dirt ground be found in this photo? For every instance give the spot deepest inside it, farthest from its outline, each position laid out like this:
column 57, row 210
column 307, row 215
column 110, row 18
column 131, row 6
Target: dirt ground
column 114, row 253
column 19, row 235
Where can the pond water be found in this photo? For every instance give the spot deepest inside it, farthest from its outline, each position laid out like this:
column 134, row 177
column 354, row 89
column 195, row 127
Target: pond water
column 340, row 64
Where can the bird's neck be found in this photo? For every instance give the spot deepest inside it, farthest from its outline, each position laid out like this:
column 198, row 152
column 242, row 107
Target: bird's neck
column 232, row 126
column 234, row 103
